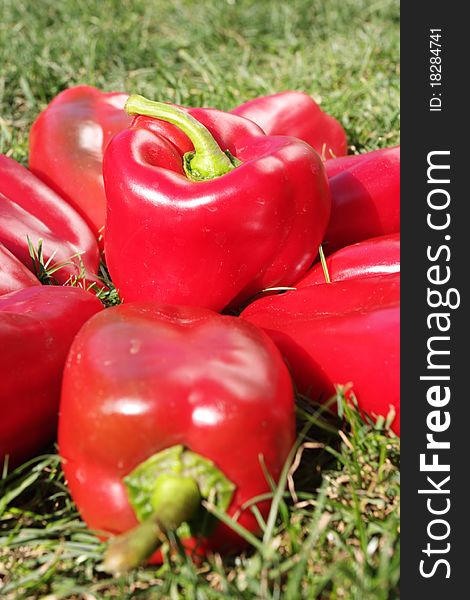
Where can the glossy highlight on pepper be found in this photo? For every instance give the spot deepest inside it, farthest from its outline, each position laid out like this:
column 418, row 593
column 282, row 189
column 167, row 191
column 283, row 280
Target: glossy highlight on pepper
column 365, row 197
column 67, row 143
column 345, row 333
column 13, row 274
column 146, row 384
column 218, row 241
column 37, row 326
column 377, row 256
column 31, row 212
column 298, row 115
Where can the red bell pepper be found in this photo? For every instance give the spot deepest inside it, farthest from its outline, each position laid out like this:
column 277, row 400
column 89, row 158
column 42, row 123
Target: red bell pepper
column 209, row 228
column 67, row 143
column 365, row 197
column 298, row 115
column 377, row 256
column 29, row 209
column 81, row 121
column 153, row 391
column 13, row 274
column 37, row 326
column 340, row 333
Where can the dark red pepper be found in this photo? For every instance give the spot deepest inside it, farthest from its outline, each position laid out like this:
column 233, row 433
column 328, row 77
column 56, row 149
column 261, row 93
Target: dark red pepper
column 66, row 147
column 37, row 326
column 150, row 390
column 365, row 197
column 254, row 219
column 340, row 333
column 31, row 210
column 298, row 115
column 377, row 256
column 13, row 274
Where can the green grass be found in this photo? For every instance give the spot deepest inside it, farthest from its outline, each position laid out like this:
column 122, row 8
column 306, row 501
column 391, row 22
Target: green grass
column 212, row 52
column 334, row 529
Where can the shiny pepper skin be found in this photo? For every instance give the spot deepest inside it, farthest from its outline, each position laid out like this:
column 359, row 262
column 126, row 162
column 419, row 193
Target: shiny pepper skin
column 13, row 274
column 142, row 377
column 81, row 120
column 340, row 333
column 377, row 256
column 37, row 326
column 298, row 115
column 218, row 242
column 365, row 197
column 29, row 209
column 67, row 143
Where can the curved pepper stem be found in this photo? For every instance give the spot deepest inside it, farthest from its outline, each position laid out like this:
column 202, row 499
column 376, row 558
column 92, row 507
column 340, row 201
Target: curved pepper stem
column 129, row 550
column 166, row 492
column 175, row 500
column 208, row 161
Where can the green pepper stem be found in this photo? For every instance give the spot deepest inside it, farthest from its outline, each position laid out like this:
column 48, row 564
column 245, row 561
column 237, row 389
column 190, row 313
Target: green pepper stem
column 128, row 550
column 175, row 500
column 208, row 160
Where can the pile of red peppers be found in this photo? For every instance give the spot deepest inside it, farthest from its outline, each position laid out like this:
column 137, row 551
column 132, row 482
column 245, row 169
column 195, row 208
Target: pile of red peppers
column 170, row 410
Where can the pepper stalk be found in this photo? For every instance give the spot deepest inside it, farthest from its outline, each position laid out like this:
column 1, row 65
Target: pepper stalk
column 208, row 160
column 166, row 492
